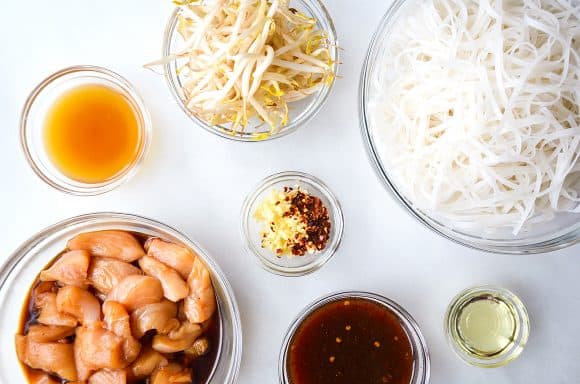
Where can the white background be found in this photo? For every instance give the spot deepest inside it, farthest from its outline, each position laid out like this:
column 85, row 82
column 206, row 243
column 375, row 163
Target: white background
column 196, row 182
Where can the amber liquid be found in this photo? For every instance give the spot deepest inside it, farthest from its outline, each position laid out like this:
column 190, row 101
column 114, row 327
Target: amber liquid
column 92, row 133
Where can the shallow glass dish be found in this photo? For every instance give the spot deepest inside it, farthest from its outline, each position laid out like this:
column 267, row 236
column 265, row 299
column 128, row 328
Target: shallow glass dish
column 300, row 112
column 23, row 266
column 561, row 232
column 291, row 265
column 38, row 104
column 517, row 310
column 421, row 361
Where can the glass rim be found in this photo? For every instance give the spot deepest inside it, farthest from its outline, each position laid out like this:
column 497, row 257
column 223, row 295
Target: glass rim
column 337, row 223
column 16, row 257
column 558, row 240
column 521, row 313
column 172, row 81
column 421, row 359
column 82, row 188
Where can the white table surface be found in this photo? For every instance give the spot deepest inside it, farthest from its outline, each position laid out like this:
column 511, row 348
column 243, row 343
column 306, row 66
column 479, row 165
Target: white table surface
column 196, row 182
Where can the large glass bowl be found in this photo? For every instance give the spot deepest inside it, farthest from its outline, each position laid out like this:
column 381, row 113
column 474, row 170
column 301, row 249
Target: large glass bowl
column 561, row 232
column 22, row 267
column 300, row 112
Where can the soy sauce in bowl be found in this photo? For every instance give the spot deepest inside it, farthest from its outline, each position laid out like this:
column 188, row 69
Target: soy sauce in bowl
column 350, row 340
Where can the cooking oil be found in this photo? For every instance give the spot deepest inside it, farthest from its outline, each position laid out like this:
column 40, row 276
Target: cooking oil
column 487, row 326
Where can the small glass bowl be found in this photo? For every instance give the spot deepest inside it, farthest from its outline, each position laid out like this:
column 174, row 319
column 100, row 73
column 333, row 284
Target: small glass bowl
column 521, row 323
column 291, row 265
column 21, row 269
column 562, row 231
column 38, row 104
column 300, row 112
column 421, row 361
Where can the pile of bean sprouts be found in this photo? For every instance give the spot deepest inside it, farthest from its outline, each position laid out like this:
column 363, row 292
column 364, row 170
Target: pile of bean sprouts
column 244, row 59
column 475, row 110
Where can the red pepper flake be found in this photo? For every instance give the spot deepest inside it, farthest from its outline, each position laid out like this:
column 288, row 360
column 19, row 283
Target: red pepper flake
column 311, row 211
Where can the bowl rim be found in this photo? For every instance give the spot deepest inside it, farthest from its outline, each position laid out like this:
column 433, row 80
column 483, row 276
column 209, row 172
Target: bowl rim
column 408, row 323
column 562, row 240
column 172, row 81
column 128, row 91
column 337, row 223
column 20, row 253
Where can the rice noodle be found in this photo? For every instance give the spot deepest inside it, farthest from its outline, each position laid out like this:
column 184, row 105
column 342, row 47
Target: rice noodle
column 476, row 110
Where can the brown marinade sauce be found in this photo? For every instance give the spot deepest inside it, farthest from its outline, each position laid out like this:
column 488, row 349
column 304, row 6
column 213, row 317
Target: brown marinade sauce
column 202, row 367
column 350, row 341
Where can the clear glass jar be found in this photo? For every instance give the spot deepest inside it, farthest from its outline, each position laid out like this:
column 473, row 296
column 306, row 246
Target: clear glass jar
column 562, row 231
column 291, row 265
column 34, row 114
column 23, row 266
column 300, row 112
column 421, row 362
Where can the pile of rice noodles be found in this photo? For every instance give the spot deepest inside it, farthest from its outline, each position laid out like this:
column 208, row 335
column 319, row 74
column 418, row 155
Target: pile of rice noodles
column 476, row 112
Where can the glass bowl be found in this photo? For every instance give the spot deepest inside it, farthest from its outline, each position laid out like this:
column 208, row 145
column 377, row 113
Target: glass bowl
column 421, row 361
column 560, row 232
column 23, row 266
column 521, row 326
column 291, row 265
column 300, row 112
column 34, row 113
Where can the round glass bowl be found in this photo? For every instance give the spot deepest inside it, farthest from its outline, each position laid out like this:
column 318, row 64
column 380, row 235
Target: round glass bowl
column 509, row 312
column 300, row 112
column 421, row 361
column 291, row 265
column 560, row 232
column 23, row 266
column 37, row 106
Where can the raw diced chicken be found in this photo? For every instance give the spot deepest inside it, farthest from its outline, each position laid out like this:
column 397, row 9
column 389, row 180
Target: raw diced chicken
column 49, row 333
column 171, row 374
column 200, row 304
column 116, row 318
column 199, row 348
column 174, row 287
column 83, row 369
column 147, row 362
column 116, row 244
column 49, row 314
column 44, row 287
column 159, row 316
column 70, row 269
column 80, row 303
column 177, row 340
column 56, row 358
column 106, row 273
column 98, row 348
column 105, row 376
column 131, row 349
column 135, row 291
column 117, row 321
column 42, row 378
column 170, row 294
column 176, row 256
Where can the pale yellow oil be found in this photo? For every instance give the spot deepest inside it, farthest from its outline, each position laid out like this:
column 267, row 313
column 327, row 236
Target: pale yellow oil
column 486, row 326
